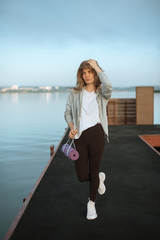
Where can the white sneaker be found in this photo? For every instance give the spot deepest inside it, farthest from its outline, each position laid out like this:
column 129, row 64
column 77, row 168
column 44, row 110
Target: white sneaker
column 102, row 187
column 91, row 210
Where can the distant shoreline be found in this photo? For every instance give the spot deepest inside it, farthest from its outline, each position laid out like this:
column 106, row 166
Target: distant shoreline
column 57, row 89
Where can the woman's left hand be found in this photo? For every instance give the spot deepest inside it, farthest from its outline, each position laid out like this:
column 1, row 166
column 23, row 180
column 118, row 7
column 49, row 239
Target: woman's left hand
column 93, row 63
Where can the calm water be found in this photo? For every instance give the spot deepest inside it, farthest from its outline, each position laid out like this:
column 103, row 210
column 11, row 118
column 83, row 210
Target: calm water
column 29, row 124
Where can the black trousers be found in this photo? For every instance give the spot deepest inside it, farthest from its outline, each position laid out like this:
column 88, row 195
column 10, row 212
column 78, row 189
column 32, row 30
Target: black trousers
column 90, row 146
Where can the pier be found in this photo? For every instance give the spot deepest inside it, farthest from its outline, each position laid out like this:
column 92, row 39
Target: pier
column 56, row 206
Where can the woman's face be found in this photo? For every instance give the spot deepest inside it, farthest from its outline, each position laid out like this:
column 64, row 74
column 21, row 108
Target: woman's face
column 88, row 76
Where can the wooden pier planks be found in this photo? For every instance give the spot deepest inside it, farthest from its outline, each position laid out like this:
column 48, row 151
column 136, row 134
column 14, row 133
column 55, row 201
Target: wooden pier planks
column 129, row 209
column 153, row 141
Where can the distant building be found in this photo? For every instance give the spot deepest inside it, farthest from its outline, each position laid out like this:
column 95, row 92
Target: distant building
column 46, row 88
column 14, row 87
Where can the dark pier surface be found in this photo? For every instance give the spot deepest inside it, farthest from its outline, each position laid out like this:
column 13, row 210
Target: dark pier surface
column 129, row 210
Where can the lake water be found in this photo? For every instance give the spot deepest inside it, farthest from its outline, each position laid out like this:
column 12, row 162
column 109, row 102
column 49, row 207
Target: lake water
column 29, row 124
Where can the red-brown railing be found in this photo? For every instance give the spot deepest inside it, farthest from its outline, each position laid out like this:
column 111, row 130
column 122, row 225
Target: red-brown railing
column 121, row 111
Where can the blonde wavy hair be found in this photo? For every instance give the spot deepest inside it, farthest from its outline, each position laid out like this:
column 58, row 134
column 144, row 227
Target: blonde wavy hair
column 81, row 83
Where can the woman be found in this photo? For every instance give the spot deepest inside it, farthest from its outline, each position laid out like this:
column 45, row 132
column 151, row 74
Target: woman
column 87, row 119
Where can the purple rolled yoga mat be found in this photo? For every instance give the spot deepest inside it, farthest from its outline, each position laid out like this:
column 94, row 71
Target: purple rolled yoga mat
column 74, row 155
column 70, row 152
column 64, row 148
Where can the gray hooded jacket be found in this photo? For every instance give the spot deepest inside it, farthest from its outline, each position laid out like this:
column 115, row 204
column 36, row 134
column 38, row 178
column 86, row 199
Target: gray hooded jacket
column 73, row 105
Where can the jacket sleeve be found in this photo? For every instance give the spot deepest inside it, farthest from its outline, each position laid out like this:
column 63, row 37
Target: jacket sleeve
column 106, row 85
column 68, row 110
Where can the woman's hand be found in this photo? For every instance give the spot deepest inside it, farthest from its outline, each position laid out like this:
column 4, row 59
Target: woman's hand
column 72, row 133
column 93, row 63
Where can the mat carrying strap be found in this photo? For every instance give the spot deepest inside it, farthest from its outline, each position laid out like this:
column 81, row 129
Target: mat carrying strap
column 72, row 142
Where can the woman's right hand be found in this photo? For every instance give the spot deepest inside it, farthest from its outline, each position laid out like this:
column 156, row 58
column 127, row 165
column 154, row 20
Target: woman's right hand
column 72, row 133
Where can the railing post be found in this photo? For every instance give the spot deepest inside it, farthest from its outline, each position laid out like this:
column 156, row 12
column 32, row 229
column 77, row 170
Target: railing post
column 114, row 105
column 125, row 112
column 51, row 150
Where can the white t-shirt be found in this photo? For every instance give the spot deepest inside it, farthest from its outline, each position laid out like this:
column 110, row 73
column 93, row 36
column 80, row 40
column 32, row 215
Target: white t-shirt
column 89, row 112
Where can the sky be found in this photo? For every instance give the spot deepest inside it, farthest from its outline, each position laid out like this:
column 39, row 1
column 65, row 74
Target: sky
column 42, row 43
